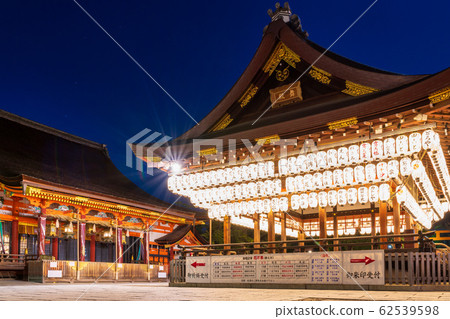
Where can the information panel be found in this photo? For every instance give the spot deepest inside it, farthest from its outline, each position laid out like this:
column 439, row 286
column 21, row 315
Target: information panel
column 295, row 268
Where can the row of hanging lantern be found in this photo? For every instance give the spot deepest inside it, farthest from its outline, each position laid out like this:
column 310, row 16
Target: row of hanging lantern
column 331, row 198
column 332, row 158
column 349, row 176
column 436, row 155
column 405, row 198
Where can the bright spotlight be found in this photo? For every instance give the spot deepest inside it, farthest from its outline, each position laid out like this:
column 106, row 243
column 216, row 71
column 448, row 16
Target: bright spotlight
column 175, row 167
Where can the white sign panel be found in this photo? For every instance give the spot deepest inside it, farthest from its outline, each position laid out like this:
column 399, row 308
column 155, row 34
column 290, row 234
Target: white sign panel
column 198, row 269
column 54, row 274
column 325, row 268
column 365, row 266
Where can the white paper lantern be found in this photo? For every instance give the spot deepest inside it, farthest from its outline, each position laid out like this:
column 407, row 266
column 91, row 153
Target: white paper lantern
column 244, row 208
column 428, row 140
column 215, row 196
column 259, row 206
column 360, row 175
column 389, row 147
column 312, row 200
column 220, row 176
column 385, row 192
column 223, row 210
column 237, row 176
column 262, row 174
column 277, row 186
column 253, row 171
column 317, row 180
column 230, row 209
column 352, row 196
column 405, row 166
column 393, row 168
column 290, row 185
column 199, row 180
column 295, row 202
column 267, row 205
column 365, row 152
column 348, row 176
column 209, row 178
column 303, row 201
column 283, row 167
column 332, row 158
column 245, row 191
column 370, row 172
column 343, row 156
column 223, row 194
column 323, row 199
column 193, row 181
column 308, row 181
column 261, row 189
column 238, row 191
column 338, row 177
column 171, row 183
column 251, row 206
column 284, row 204
column 237, row 209
column 415, row 142
column 321, row 160
column 353, row 154
column 401, row 144
column 252, row 190
column 228, row 177
column 377, row 149
column 342, row 197
column 363, row 195
column 244, row 173
column 269, row 186
column 327, row 179
column 373, row 194
column 417, row 170
column 230, row 192
column 292, row 165
column 382, row 171
column 270, row 169
column 299, row 185
column 311, row 163
column 301, row 163
column 275, row 205
column 332, row 198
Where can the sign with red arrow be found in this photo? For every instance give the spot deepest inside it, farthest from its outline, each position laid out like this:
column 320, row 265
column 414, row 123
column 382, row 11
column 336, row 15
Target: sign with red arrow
column 366, row 261
column 196, row 264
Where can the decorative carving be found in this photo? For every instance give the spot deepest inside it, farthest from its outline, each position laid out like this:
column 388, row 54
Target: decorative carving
column 282, row 75
column 281, row 52
column 248, row 95
column 441, row 95
column 342, row 123
column 223, row 123
column 355, row 89
column 208, row 151
column 286, row 94
column 267, row 139
column 320, row 75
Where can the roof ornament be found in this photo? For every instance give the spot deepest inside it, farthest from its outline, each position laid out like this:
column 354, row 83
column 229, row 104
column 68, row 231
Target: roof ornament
column 284, row 13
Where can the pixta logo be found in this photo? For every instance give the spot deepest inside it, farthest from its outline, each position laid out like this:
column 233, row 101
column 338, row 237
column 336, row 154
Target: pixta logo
column 143, row 149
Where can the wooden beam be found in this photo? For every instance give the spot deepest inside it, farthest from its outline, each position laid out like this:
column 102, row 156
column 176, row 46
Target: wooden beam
column 335, row 229
column 271, row 229
column 382, row 212
column 256, row 232
column 227, row 231
column 322, row 222
column 283, row 230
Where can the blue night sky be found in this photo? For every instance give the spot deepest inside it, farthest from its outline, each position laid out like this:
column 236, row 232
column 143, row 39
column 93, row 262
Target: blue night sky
column 58, row 68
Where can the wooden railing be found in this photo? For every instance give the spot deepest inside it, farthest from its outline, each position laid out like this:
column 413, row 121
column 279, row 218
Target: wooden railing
column 393, row 243
column 15, row 261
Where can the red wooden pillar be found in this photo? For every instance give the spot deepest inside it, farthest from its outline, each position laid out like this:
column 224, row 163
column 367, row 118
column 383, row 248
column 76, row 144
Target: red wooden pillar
column 82, row 241
column 92, row 251
column 15, row 229
column 55, row 248
column 146, row 246
column 119, row 247
column 41, row 233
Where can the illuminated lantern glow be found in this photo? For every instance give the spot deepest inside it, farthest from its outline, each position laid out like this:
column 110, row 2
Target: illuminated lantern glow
column 244, row 173
column 342, row 197
column 348, row 176
column 238, row 191
column 290, row 185
column 299, row 186
column 353, row 154
column 228, row 175
column 415, row 142
column 292, row 165
column 215, row 196
column 322, row 160
column 245, row 191
column 230, row 209
column 220, row 175
column 405, row 166
column 352, row 196
column 244, row 208
column 230, row 192
column 401, row 144
column 343, row 156
column 209, row 178
column 192, row 181
column 428, row 140
column 251, row 206
column 311, row 163
column 261, row 189
column 199, row 180
column 417, row 170
column 267, row 205
column 237, row 209
column 301, row 163
column 364, row 152
column 275, row 204
column 312, row 200
column 259, row 206
column 327, row 179
column 323, row 199
column 171, row 183
column 332, row 198
column 389, row 147
column 338, row 177
column 317, row 180
column 262, row 170
column 277, row 186
column 332, row 158
column 284, row 204
column 371, row 174
column 223, row 210
column 253, row 190
column 268, row 184
column 382, row 171
column 377, row 149
column 308, row 182
column 385, row 192
column 295, row 202
column 373, row 194
column 283, row 167
column 270, row 168
column 363, row 195
column 223, row 194
column 253, row 171
column 237, row 174
column 359, row 173
column 393, row 169
column 303, row 201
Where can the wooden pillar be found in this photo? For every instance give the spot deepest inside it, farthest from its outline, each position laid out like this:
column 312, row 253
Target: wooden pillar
column 271, row 230
column 227, row 232
column 301, row 234
column 55, row 248
column 82, row 240
column 119, row 246
column 335, row 230
column 408, row 221
column 92, row 250
column 41, row 233
column 283, row 230
column 383, row 222
column 396, row 219
column 15, row 228
column 322, row 222
column 146, row 247
column 256, row 233
column 373, row 223
column 210, row 231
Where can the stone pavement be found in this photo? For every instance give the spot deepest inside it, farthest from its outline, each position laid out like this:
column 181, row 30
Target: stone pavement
column 21, row 290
